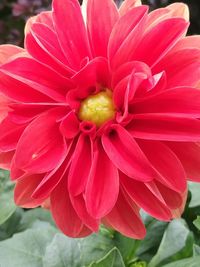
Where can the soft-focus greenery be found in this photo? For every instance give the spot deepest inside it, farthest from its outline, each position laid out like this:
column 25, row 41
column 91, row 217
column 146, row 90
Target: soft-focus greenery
column 29, row 238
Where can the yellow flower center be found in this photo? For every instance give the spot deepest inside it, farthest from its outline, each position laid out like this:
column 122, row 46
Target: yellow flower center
column 97, row 108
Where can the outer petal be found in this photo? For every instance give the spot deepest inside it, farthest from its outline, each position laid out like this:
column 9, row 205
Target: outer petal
column 71, row 31
column 10, row 134
column 127, row 48
column 144, row 198
column 127, row 5
column 175, row 28
column 165, row 127
column 52, row 179
column 63, row 213
column 103, row 182
column 38, row 76
column 125, row 153
column 81, row 163
column 24, row 189
column 169, row 168
column 178, row 64
column 44, row 18
column 187, row 42
column 124, row 26
column 47, row 147
column 183, row 101
column 125, row 219
column 78, row 203
column 42, row 43
column 7, row 51
column 101, row 17
column 179, row 10
column 5, row 159
column 189, row 155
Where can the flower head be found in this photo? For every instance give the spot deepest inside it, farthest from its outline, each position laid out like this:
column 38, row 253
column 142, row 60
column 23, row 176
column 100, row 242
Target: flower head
column 103, row 114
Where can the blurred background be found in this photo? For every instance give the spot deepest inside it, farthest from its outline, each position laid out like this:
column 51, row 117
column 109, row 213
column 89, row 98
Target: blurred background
column 14, row 13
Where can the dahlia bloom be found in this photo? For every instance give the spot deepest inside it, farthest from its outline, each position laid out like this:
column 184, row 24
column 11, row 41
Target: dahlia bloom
column 103, row 114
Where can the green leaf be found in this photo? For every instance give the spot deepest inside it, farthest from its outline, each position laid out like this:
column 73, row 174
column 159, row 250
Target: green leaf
column 196, row 250
column 176, row 243
column 7, row 206
column 26, row 249
column 62, row 252
column 112, row 259
column 197, row 222
column 31, row 216
column 195, row 199
column 190, row 262
column 149, row 245
column 94, row 247
column 127, row 246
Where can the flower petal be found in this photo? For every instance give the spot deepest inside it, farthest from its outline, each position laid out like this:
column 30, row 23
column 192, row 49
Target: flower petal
column 165, row 127
column 24, row 189
column 145, row 199
column 63, row 213
column 7, row 51
column 125, row 219
column 182, row 101
column 175, row 28
column 189, row 155
column 71, row 31
column 125, row 153
column 127, row 5
column 103, row 182
column 47, row 147
column 101, row 17
column 81, row 163
column 5, row 159
column 38, row 76
column 169, row 168
column 69, row 126
column 178, row 64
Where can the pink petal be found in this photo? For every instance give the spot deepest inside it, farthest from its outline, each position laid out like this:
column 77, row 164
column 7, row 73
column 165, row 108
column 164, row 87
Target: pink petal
column 128, row 5
column 124, row 26
column 69, row 126
column 127, row 48
column 169, row 168
column 172, row 199
column 44, row 18
column 52, row 179
column 7, row 51
column 39, row 51
column 125, row 153
column 10, row 134
column 47, row 147
column 189, row 155
column 71, row 32
column 78, row 203
column 95, row 72
column 150, row 203
column 24, row 189
column 80, row 166
column 178, row 64
column 20, row 91
column 175, row 28
column 182, row 101
column 187, row 42
column 5, row 159
column 165, row 127
column 125, row 219
column 101, row 17
column 103, row 182
column 63, row 213
column 38, row 76
column 180, row 10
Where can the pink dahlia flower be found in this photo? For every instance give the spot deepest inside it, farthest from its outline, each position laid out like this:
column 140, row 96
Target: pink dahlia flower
column 103, row 114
